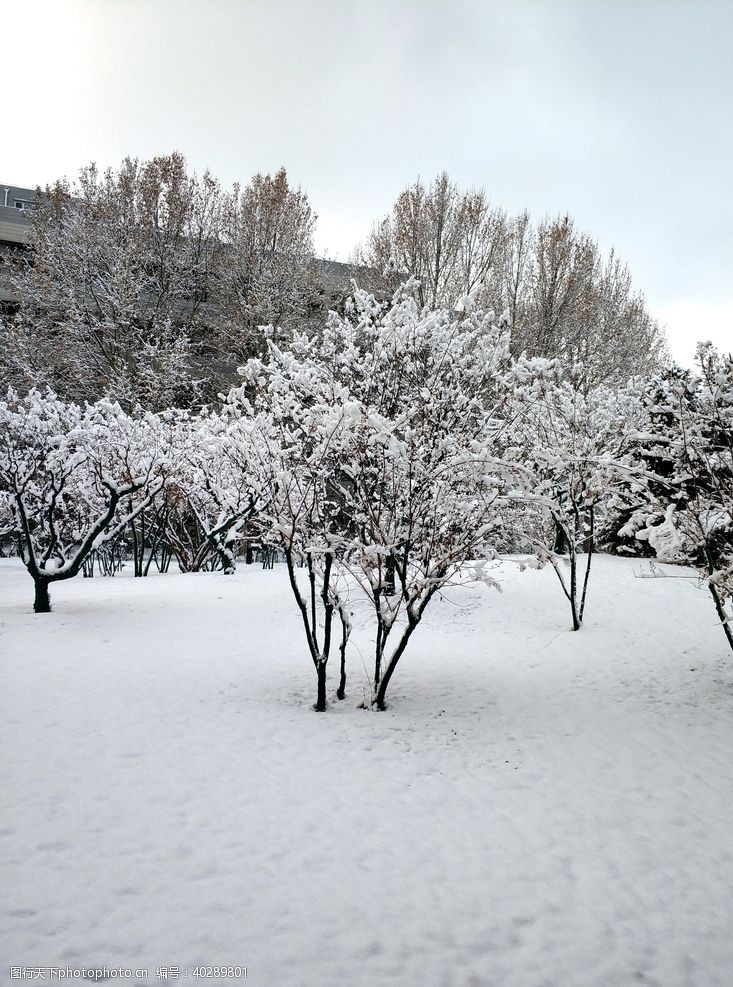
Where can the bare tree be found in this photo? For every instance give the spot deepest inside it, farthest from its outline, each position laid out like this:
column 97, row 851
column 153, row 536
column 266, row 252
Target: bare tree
column 422, row 237
column 560, row 296
column 268, row 274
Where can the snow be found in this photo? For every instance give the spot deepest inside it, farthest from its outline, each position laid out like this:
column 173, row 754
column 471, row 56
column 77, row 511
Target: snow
column 537, row 808
column 663, row 537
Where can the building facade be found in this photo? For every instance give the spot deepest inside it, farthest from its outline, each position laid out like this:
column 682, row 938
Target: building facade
column 16, row 204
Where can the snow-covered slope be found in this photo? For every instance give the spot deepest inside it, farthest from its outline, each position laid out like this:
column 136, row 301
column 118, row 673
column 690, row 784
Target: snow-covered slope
column 537, row 808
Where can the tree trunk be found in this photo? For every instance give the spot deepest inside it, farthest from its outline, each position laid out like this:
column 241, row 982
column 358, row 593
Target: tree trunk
column 590, row 547
column 721, row 614
column 381, row 639
column 42, row 601
column 320, row 706
column 398, row 652
column 341, row 691
column 574, row 587
column 224, row 551
column 560, row 545
column 389, row 579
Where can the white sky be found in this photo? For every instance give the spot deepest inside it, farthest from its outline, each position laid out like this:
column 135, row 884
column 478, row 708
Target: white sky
column 620, row 113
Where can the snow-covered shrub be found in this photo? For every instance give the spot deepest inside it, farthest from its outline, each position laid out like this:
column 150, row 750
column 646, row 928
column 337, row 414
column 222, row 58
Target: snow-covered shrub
column 209, row 496
column 291, row 437
column 650, row 486
column 687, row 455
column 73, row 478
column 386, row 435
column 574, row 443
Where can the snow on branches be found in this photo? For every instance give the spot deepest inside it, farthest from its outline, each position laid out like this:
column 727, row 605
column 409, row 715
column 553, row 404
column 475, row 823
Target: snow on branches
column 386, row 454
column 574, row 444
column 208, row 496
column 383, row 462
column 687, row 513
column 71, row 478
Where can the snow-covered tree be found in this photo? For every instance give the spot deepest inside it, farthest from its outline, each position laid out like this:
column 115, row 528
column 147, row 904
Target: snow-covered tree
column 73, row 478
column 564, row 297
column 424, row 485
column 148, row 284
column 651, row 485
column 387, row 443
column 288, row 423
column 687, row 514
column 113, row 290
column 575, row 444
column 209, row 495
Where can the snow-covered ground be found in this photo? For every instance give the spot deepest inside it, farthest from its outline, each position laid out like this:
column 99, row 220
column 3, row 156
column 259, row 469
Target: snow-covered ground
column 537, row 808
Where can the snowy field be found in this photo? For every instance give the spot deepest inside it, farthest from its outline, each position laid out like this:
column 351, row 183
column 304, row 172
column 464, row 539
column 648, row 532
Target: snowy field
column 537, row 808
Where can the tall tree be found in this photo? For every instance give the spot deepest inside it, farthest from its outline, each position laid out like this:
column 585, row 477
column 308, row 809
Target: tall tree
column 150, row 285
column 268, row 274
column 560, row 296
column 113, row 291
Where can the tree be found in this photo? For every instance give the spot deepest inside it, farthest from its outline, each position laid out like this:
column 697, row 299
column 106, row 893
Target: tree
column 651, row 484
column 114, row 287
column 689, row 510
column 288, row 423
column 513, row 276
column 209, row 494
column 575, row 446
column 148, row 285
column 561, row 296
column 383, row 457
column 267, row 275
column 73, row 478
column 424, row 484
column 582, row 309
column 449, row 241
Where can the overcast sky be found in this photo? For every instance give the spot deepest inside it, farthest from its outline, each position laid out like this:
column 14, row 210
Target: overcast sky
column 619, row 112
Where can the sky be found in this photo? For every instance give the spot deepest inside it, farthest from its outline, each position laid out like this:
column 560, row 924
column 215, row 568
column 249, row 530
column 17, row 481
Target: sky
column 618, row 113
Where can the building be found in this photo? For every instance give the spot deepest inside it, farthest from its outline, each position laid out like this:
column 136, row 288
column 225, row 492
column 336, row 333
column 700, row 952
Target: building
column 15, row 206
